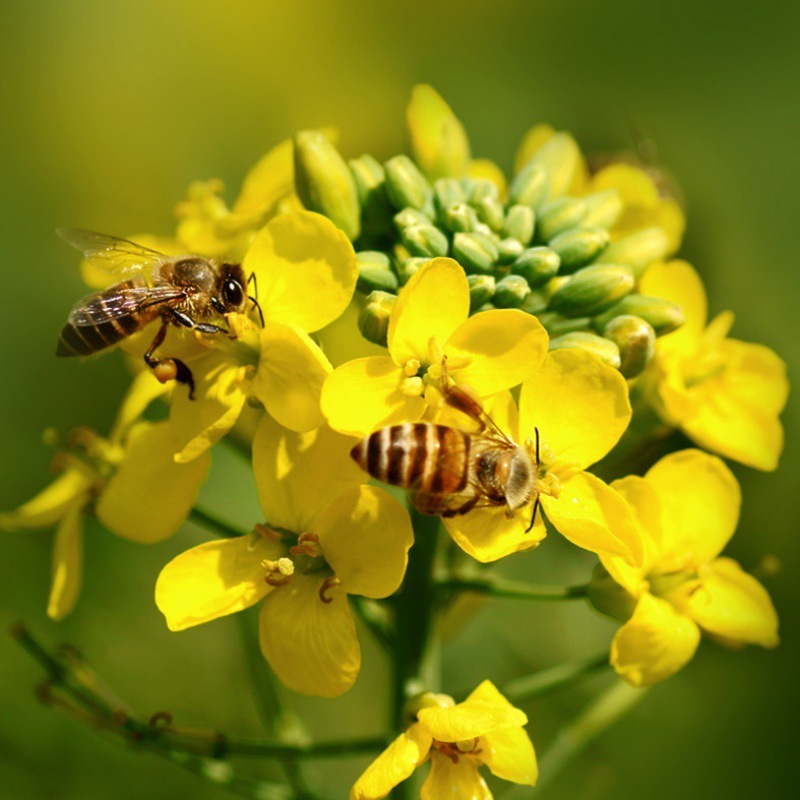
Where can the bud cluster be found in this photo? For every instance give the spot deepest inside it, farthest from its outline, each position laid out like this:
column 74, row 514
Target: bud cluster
column 534, row 247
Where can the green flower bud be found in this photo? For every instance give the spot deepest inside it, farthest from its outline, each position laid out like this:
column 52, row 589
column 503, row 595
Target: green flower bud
column 460, row 218
column 602, row 209
column 535, row 303
column 604, row 349
column 324, row 183
column 509, row 250
column 475, row 252
column 374, row 258
column 537, row 265
column 559, row 215
column 578, row 246
column 376, row 213
column 375, row 272
column 663, row 315
column 557, row 325
column 520, row 223
column 467, row 186
column 373, row 319
column 636, row 341
column 511, row 292
column 560, row 158
column 406, row 185
column 424, row 240
column 639, row 250
column 608, row 597
column 481, row 291
column 529, row 187
column 485, row 307
column 447, row 192
column 490, row 212
column 592, row 290
column 408, row 217
column 483, row 188
column 408, row 267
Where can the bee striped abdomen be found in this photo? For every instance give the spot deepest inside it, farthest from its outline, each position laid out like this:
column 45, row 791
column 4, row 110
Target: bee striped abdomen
column 419, row 456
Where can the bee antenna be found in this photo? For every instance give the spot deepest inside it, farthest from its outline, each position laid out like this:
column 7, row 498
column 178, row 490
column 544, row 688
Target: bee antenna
column 536, row 431
column 254, row 280
column 533, row 516
column 260, row 312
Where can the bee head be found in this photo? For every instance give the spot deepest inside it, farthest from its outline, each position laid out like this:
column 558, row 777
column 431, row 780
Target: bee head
column 231, row 295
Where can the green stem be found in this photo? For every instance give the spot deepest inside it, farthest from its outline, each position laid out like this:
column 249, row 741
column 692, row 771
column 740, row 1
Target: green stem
column 214, row 524
column 500, row 587
column 538, row 684
column 374, row 617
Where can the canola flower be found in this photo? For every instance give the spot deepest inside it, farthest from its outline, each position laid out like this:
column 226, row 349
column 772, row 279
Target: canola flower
column 549, row 296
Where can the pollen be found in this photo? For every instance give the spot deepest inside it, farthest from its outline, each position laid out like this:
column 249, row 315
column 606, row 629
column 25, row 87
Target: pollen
column 285, row 566
column 411, row 367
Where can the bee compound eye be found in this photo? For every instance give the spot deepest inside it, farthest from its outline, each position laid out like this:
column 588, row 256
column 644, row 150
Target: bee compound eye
column 232, row 293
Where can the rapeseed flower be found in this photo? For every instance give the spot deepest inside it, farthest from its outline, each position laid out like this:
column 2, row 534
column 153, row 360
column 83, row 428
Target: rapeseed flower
column 685, row 509
column 328, row 535
column 457, row 739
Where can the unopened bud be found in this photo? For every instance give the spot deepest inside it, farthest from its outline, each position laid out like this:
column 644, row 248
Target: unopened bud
column 592, row 290
column 409, row 217
column 557, row 325
column 460, row 218
column 508, row 251
column 376, row 213
column 529, row 187
column 447, row 192
column 511, row 292
column 520, row 223
column 375, row 272
column 579, row 246
column 559, row 215
column 490, row 212
column 425, row 241
column 373, row 319
column 537, row 265
column 608, row 597
column 481, row 291
column 475, row 252
column 663, row 315
column 639, row 250
column 560, row 158
column 535, row 303
column 602, row 209
column 604, row 349
column 406, row 186
column 636, row 341
column 324, row 183
column 482, row 189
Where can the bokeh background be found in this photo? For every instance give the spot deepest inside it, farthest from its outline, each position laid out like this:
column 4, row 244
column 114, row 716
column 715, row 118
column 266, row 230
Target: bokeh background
column 109, row 110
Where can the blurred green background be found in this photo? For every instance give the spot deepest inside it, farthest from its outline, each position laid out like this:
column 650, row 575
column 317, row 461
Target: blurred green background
column 110, row 110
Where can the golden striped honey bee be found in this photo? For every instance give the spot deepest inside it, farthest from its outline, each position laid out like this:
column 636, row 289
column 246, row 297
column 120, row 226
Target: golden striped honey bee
column 450, row 471
column 188, row 291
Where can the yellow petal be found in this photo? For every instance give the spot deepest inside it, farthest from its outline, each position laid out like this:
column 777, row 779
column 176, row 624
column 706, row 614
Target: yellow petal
column 433, row 303
column 291, row 371
column 732, row 604
column 671, row 219
column 505, row 346
column 393, row 765
column 50, row 505
column 679, row 282
column 454, row 781
column 438, row 140
column 533, row 139
column 700, row 500
column 196, row 425
column 214, row 579
column 268, row 181
column 298, row 475
column 579, row 405
column 654, row 643
column 144, row 389
column 67, row 568
column 150, row 496
column 483, row 169
column 312, row 646
column 306, row 270
column 481, row 713
column 593, row 516
column 365, row 535
column 487, row 534
column 363, row 395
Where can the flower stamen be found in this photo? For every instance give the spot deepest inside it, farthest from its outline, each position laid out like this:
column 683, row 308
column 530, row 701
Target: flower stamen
column 326, row 586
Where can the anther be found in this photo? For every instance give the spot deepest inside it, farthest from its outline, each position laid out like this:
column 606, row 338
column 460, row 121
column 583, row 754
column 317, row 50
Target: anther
column 327, row 585
column 266, row 532
column 411, row 367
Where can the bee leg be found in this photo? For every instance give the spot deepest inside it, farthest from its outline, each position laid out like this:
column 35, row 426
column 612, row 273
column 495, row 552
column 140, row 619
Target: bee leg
column 167, row 369
column 203, row 327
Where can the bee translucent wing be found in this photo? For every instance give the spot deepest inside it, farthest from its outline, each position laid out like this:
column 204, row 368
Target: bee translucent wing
column 113, row 303
column 112, row 254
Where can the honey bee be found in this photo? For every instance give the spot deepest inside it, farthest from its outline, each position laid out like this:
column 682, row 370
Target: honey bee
column 189, row 291
column 450, row 471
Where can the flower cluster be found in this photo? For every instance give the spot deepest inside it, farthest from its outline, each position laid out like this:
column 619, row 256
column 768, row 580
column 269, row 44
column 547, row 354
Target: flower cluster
column 481, row 343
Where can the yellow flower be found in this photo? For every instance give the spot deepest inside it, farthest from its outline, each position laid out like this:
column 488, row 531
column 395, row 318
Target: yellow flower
column 686, row 509
column 328, row 536
column 724, row 394
column 306, row 273
column 491, row 351
column 580, row 408
column 130, row 481
column 457, row 739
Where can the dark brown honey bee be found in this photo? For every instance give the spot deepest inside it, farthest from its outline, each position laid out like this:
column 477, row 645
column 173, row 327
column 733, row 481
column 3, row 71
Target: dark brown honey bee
column 188, row 291
column 450, row 471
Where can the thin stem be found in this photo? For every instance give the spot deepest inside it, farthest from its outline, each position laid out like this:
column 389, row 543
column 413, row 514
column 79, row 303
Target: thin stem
column 374, row 617
column 214, row 524
column 538, row 684
column 500, row 587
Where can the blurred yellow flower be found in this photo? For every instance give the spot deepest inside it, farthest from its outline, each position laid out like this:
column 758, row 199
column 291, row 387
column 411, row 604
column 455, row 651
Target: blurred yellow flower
column 327, row 536
column 130, row 481
column 491, row 351
column 457, row 739
column 580, row 408
column 686, row 509
column 724, row 394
